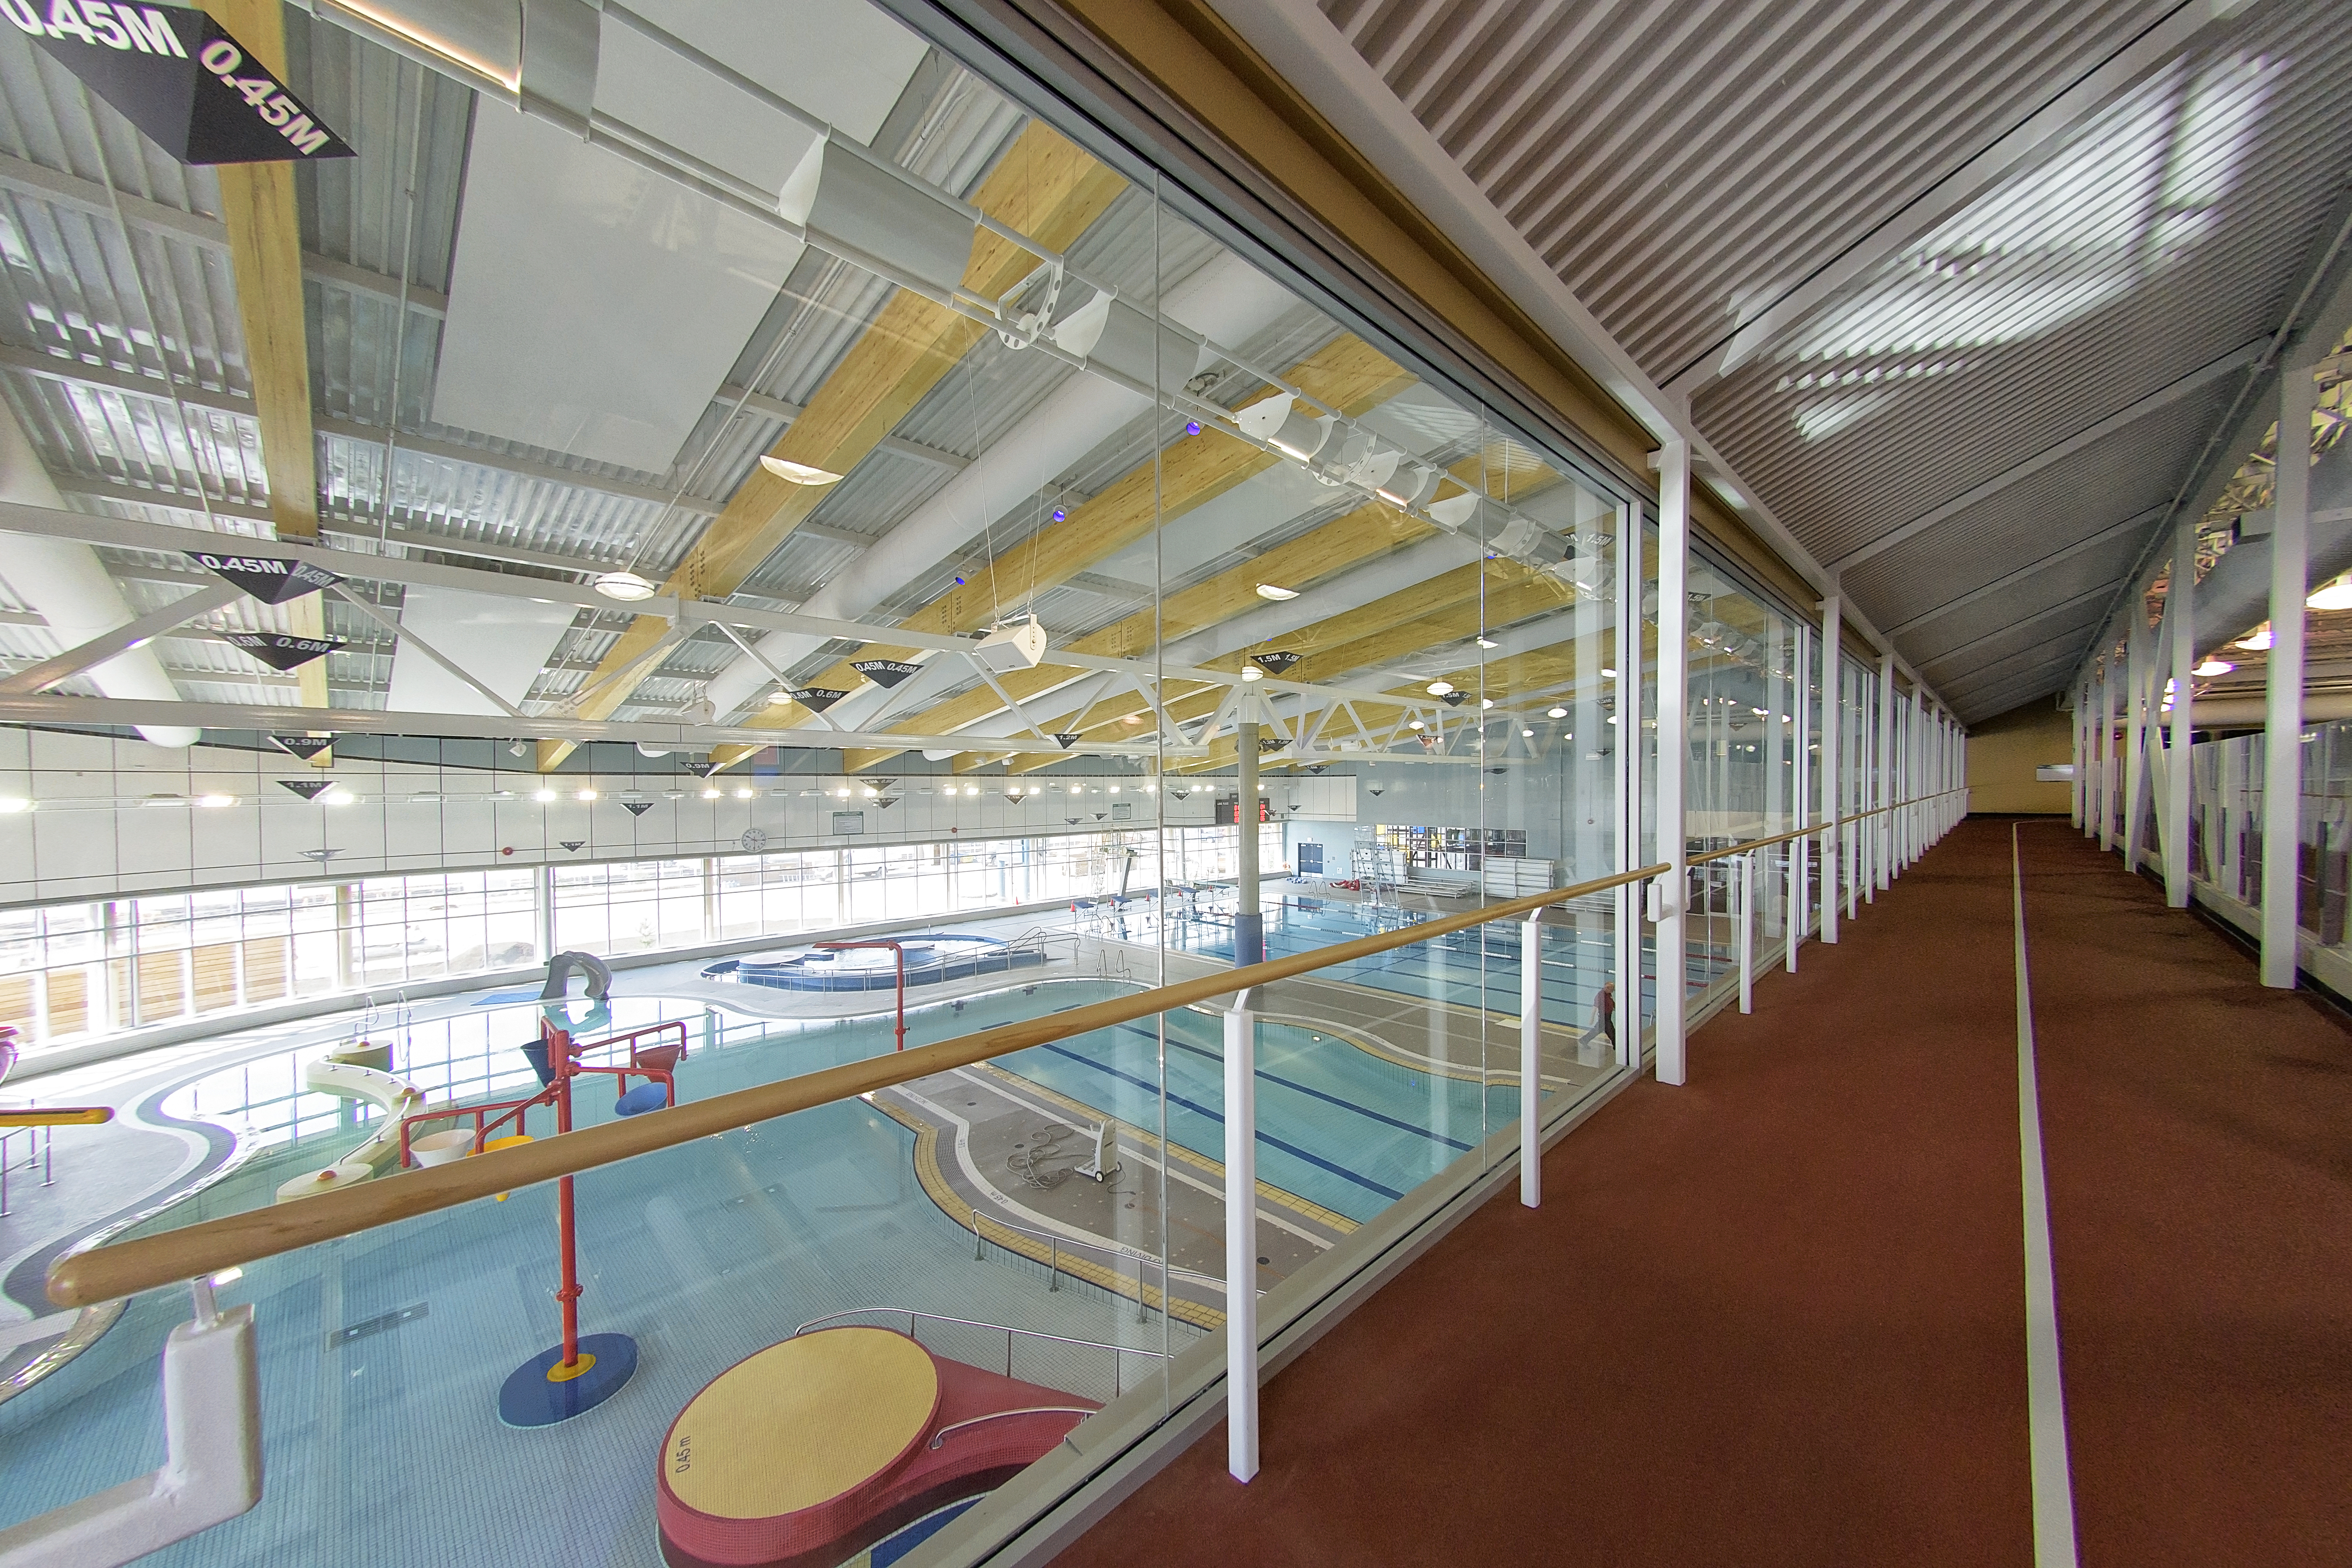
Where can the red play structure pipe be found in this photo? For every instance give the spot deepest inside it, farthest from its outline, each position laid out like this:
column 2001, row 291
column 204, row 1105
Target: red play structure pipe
column 901, row 952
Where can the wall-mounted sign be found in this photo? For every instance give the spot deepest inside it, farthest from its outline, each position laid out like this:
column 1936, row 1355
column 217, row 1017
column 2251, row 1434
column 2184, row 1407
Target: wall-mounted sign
column 849, row 821
column 272, row 579
column 885, row 673
column 178, row 76
column 280, row 651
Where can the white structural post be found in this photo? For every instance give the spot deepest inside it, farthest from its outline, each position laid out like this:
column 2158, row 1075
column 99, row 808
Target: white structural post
column 2106, row 751
column 1674, row 747
column 1744, row 891
column 1800, row 711
column 2079, row 784
column 2180, row 605
column 1832, row 798
column 2136, row 662
column 1241, row 1239
column 1628, row 749
column 2283, row 707
column 1882, row 838
column 1531, row 1061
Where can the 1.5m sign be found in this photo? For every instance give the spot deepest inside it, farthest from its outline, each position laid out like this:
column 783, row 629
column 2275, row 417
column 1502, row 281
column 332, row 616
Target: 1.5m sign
column 178, row 76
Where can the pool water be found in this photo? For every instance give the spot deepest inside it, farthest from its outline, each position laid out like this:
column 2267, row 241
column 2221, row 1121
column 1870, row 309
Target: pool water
column 381, row 1355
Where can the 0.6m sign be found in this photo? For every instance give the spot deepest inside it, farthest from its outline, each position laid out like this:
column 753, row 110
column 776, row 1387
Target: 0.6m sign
column 179, row 77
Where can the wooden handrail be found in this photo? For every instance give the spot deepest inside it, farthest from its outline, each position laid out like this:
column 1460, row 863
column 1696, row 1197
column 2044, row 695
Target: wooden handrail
column 1746, row 845
column 124, row 1267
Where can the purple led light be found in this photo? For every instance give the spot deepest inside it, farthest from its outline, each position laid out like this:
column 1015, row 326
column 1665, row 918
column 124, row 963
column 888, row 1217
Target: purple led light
column 1192, row 427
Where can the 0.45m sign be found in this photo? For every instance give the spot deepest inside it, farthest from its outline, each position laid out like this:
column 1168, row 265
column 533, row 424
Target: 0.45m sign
column 178, row 76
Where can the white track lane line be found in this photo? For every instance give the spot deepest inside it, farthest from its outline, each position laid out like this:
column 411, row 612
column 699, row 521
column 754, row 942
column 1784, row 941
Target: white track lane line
column 2045, row 1393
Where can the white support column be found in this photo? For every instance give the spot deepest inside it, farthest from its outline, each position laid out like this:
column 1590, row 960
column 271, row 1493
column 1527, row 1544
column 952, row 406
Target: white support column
column 2079, row 786
column 1627, row 749
column 1241, row 1239
column 2135, row 671
column 2180, row 605
column 1832, row 798
column 1882, row 835
column 1674, row 747
column 1531, row 1061
column 1800, row 711
column 2283, row 710
column 1744, row 894
column 2107, row 777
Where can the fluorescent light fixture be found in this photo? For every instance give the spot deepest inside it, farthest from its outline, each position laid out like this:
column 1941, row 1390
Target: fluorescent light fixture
column 2255, row 641
column 1275, row 591
column 10, row 805
column 337, row 797
column 871, row 793
column 423, row 798
column 1485, row 702
column 842, row 792
column 793, row 473
column 1440, row 688
column 1613, row 718
column 1151, row 789
column 1252, row 672
column 710, row 795
column 1488, row 642
column 163, row 800
column 2336, row 595
column 214, row 802
column 586, row 794
column 2209, row 667
column 542, row 795
column 971, row 789
column 1114, row 789
column 626, row 586
column 743, row 792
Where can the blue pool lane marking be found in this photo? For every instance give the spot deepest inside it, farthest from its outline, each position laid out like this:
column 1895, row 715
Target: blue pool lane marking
column 1365, row 1110
column 1264, row 1136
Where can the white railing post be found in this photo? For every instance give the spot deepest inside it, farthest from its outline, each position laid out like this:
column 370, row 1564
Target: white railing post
column 1531, row 1061
column 1674, row 753
column 1241, row 1239
column 1744, row 898
column 211, row 1457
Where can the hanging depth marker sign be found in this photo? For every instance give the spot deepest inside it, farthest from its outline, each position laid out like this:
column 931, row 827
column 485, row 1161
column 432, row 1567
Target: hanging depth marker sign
column 272, row 579
column 178, row 76
column 280, row 651
column 885, row 673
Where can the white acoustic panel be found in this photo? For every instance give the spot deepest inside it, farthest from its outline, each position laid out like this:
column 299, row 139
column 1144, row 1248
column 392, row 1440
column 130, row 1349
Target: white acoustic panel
column 594, row 308
column 502, row 643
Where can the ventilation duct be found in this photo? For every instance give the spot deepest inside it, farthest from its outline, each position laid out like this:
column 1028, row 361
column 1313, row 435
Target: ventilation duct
column 69, row 586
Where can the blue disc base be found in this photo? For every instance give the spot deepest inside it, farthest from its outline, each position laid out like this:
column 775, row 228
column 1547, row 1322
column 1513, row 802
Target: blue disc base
column 529, row 1399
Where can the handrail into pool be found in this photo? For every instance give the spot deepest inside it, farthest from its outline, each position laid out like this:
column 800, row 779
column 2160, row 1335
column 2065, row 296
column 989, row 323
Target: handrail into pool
column 125, row 1267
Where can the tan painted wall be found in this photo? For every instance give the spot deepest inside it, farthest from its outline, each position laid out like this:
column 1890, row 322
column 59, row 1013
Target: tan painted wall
column 2004, row 752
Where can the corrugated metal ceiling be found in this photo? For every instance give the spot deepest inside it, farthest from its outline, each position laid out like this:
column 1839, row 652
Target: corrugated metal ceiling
column 1686, row 167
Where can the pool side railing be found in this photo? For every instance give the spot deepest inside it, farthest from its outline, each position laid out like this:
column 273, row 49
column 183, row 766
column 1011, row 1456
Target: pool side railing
column 199, row 1251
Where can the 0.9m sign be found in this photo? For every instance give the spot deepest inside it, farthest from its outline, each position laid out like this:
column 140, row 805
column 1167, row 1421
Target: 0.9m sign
column 178, row 76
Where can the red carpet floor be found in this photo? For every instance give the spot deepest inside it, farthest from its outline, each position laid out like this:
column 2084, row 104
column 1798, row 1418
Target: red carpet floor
column 1777, row 1316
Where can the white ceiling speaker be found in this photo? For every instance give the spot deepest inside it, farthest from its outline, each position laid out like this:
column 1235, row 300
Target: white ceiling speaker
column 1114, row 336
column 865, row 211
column 1277, row 423
column 1007, row 649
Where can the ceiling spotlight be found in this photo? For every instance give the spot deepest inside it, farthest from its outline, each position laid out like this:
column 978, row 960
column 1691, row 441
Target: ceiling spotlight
column 780, row 694
column 1485, row 702
column 1526, row 735
column 793, row 473
column 743, row 792
column 971, row 789
column 2209, row 667
column 843, row 793
column 625, row 586
column 1275, row 591
column 1488, row 642
column 1252, row 672
column 10, row 805
column 542, row 795
column 1555, row 713
column 710, row 795
column 2336, row 595
column 1608, row 675
column 337, row 797
column 586, row 794
column 1440, row 688
column 1416, row 724
column 2255, row 641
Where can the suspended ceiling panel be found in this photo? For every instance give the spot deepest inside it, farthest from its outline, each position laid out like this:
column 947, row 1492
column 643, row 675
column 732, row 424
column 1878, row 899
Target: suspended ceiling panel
column 502, row 642
column 595, row 309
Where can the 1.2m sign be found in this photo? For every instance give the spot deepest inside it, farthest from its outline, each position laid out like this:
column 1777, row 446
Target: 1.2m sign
column 178, row 76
